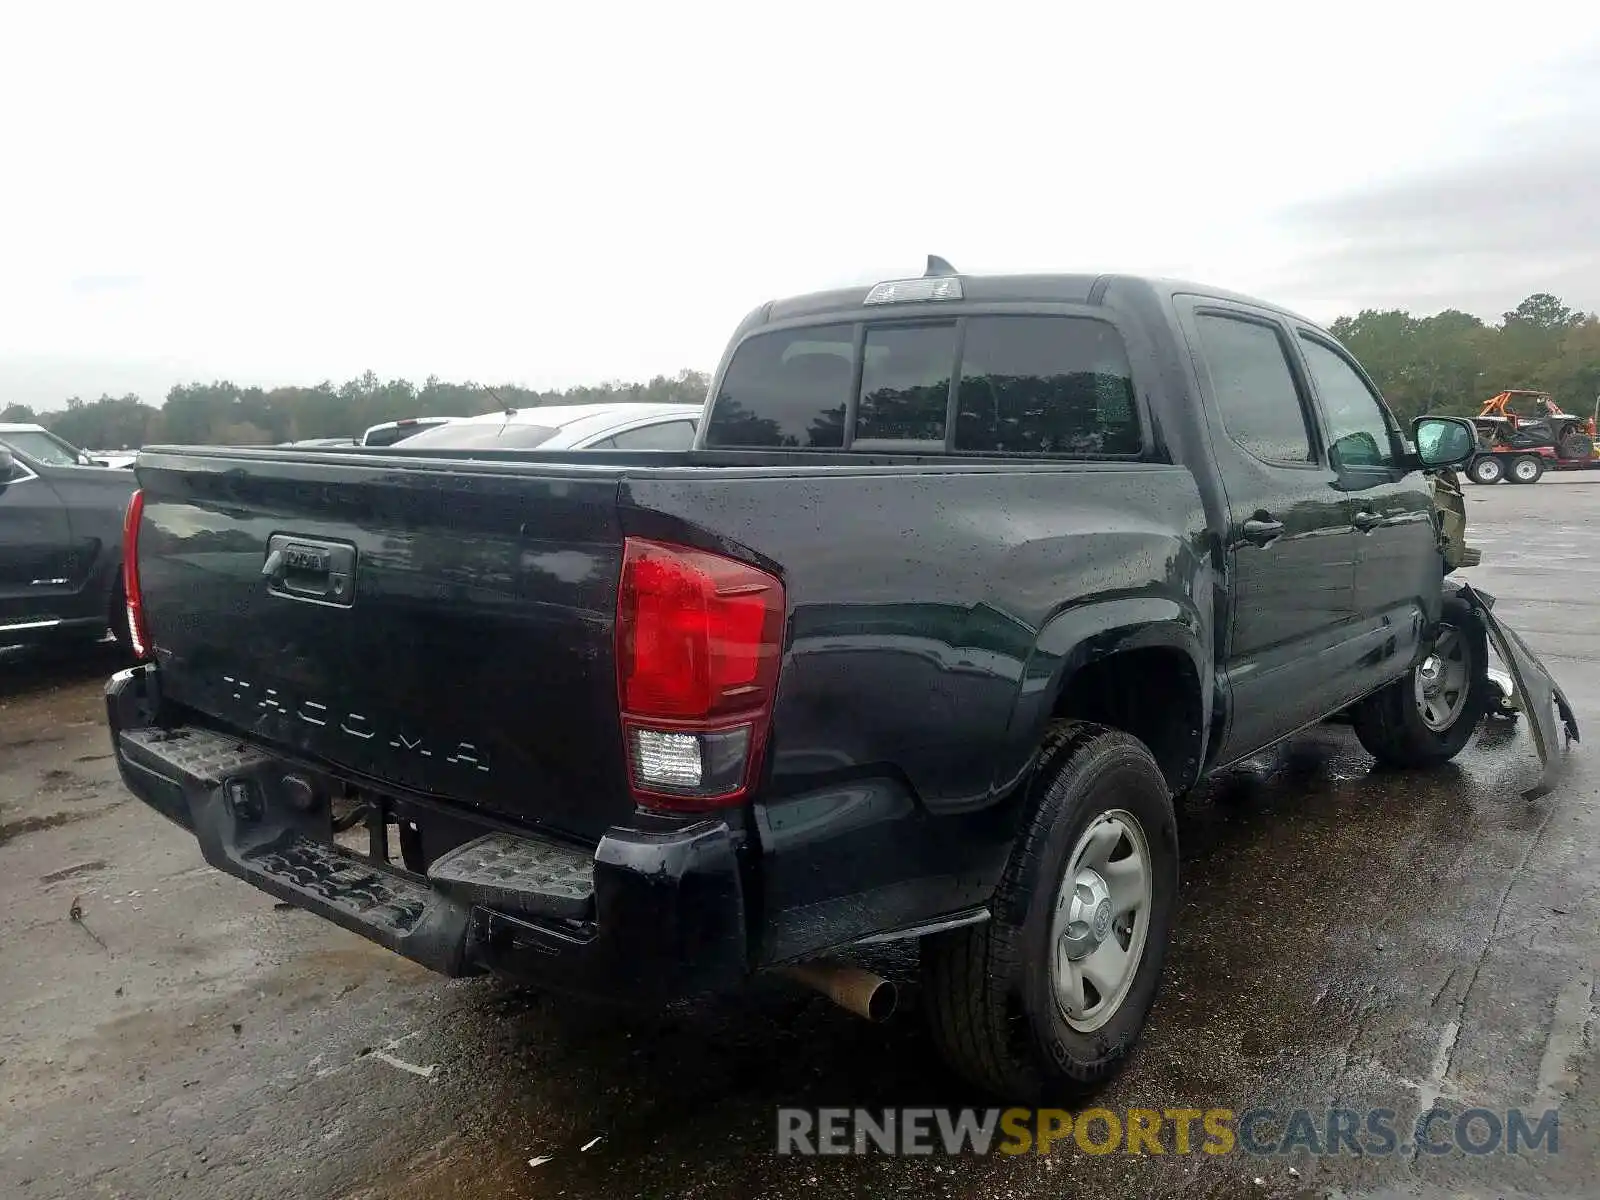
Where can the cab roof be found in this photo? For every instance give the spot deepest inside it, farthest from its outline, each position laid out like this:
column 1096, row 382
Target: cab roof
column 1001, row 289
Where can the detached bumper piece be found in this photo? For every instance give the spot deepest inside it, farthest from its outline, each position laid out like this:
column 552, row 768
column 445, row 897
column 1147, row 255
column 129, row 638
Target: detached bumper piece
column 1550, row 717
column 642, row 916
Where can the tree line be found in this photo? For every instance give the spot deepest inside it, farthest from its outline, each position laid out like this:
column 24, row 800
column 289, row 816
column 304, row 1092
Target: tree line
column 223, row 413
column 1446, row 363
column 1451, row 362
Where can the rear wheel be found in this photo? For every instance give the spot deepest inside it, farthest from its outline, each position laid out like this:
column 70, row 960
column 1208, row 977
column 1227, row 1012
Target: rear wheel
column 1428, row 716
column 1526, row 468
column 1046, row 999
column 1487, row 469
column 1575, row 444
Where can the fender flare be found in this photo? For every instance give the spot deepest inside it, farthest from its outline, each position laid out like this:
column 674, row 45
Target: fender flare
column 1082, row 634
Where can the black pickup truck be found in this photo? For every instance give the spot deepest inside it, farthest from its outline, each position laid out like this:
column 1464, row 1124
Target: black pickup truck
column 965, row 580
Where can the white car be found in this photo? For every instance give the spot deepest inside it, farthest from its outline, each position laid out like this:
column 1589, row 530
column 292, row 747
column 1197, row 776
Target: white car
column 568, row 427
column 390, row 432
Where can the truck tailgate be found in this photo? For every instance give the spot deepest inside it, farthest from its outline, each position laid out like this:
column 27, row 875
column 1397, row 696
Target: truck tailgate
column 445, row 629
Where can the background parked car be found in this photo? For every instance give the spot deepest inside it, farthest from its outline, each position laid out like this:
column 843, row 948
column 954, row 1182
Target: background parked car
column 121, row 459
column 60, row 540
column 569, row 427
column 390, row 432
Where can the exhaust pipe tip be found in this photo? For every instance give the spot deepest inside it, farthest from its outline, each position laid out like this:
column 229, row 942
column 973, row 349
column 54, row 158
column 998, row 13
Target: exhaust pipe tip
column 854, row 989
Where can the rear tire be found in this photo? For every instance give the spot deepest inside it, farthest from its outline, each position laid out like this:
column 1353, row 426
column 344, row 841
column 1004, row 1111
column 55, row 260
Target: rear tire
column 1575, row 444
column 1046, row 999
column 1486, row 470
column 1427, row 717
column 1526, row 468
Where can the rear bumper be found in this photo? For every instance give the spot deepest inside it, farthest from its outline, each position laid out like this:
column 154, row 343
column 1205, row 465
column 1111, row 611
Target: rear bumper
column 641, row 917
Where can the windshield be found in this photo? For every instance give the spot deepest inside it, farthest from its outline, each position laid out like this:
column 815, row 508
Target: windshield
column 502, row 436
column 42, row 447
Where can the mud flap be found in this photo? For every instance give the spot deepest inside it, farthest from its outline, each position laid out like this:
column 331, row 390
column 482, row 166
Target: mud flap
column 1550, row 718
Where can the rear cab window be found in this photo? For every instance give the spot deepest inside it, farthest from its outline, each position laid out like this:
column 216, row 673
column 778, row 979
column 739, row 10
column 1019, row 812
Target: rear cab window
column 1006, row 384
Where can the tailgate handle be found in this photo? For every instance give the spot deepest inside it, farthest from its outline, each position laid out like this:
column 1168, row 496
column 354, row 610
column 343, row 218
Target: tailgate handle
column 310, row 569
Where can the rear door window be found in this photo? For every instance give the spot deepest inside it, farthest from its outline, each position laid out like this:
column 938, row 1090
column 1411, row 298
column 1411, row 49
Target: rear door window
column 786, row 389
column 1045, row 385
column 1255, row 388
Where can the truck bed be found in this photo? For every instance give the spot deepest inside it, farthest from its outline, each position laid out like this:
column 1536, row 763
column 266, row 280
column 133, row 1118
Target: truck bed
column 473, row 658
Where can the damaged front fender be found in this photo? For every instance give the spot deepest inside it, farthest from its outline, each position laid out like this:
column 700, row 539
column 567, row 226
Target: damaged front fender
column 1538, row 695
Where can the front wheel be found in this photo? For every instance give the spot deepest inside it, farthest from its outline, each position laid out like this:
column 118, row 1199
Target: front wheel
column 1427, row 716
column 1486, row 470
column 1527, row 469
column 1046, row 999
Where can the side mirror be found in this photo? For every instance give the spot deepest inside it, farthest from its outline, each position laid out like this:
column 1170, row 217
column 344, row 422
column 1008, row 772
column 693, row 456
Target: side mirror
column 1444, row 441
column 8, row 465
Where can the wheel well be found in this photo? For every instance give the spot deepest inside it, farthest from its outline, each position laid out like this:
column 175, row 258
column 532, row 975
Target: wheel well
column 1151, row 693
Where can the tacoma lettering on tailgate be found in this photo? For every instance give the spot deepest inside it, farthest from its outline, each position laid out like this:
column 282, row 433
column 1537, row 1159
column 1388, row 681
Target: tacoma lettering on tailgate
column 350, row 724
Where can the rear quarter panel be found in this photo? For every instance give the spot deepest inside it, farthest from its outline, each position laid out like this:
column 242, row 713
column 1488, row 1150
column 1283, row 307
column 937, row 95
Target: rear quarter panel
column 932, row 615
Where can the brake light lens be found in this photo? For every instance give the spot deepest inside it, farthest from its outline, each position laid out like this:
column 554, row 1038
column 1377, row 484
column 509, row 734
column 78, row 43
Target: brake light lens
column 699, row 641
column 133, row 597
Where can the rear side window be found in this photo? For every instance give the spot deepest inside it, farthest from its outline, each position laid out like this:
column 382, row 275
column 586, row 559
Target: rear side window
column 664, row 435
column 1255, row 389
column 786, row 389
column 1045, row 385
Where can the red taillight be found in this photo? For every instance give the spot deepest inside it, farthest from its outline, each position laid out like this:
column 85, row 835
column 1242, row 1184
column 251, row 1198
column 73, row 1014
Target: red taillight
column 138, row 636
column 699, row 638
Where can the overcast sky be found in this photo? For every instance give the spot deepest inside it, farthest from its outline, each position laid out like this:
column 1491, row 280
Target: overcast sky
column 551, row 194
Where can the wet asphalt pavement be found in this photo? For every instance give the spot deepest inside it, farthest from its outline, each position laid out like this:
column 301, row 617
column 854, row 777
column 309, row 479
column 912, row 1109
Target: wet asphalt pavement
column 1346, row 938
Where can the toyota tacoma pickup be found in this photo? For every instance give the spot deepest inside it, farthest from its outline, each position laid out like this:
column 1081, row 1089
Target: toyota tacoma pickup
column 964, row 580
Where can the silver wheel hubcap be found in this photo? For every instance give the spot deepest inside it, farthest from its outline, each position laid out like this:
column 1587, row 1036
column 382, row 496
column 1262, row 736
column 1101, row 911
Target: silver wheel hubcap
column 1102, row 916
column 1444, row 680
column 1525, row 470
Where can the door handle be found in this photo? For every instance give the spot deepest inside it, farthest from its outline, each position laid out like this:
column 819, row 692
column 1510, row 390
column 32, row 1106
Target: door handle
column 1262, row 531
column 1366, row 521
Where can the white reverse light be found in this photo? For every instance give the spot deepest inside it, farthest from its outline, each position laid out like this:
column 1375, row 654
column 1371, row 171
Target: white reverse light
column 666, row 759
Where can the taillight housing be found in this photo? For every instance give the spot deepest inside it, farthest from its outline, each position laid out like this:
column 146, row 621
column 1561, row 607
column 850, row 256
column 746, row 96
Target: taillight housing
column 133, row 597
column 699, row 641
